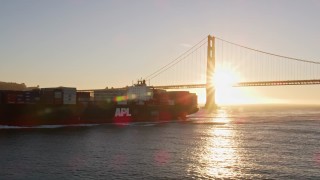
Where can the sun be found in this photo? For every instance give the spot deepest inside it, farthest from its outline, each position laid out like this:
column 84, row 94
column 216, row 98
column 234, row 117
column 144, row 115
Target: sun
column 224, row 79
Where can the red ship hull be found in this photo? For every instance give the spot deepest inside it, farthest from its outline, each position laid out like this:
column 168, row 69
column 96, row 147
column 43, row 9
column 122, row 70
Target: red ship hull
column 37, row 114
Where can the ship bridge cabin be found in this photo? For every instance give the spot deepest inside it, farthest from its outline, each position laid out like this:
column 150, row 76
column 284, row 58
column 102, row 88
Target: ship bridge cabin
column 140, row 93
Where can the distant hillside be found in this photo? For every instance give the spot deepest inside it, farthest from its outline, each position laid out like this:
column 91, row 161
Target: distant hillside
column 14, row 86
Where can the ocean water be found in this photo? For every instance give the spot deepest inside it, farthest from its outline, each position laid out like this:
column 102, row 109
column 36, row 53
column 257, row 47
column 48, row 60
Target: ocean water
column 248, row 142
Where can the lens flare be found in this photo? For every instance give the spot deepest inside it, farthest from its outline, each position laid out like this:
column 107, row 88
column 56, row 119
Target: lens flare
column 120, row 98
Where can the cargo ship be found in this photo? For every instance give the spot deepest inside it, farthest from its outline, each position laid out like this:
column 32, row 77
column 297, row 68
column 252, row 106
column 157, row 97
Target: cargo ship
column 67, row 106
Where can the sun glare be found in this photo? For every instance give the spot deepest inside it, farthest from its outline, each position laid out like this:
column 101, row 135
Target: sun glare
column 223, row 80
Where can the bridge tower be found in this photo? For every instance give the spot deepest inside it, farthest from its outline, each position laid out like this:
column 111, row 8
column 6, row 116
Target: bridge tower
column 210, row 91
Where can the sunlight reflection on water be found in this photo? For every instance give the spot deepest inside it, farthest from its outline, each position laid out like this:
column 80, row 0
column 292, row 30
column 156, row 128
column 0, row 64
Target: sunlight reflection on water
column 218, row 152
column 221, row 116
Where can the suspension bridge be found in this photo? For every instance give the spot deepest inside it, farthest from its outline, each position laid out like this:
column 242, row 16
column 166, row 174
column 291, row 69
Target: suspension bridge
column 215, row 60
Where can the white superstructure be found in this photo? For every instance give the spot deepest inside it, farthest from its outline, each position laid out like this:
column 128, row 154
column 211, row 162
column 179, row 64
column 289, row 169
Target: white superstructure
column 140, row 92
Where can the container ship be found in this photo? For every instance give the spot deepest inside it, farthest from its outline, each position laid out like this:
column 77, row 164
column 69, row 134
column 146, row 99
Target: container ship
column 67, row 106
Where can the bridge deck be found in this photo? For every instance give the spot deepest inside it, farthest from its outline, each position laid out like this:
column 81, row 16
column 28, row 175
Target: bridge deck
column 247, row 84
column 240, row 84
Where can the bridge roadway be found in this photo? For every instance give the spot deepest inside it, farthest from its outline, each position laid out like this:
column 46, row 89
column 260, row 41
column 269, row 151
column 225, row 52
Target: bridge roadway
column 247, row 84
column 240, row 84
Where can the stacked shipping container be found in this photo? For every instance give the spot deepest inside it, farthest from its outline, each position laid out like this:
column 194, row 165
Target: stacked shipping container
column 51, row 96
column 19, row 97
column 60, row 95
column 11, row 97
column 83, row 98
column 31, row 97
column 57, row 96
column 66, row 95
column 69, row 95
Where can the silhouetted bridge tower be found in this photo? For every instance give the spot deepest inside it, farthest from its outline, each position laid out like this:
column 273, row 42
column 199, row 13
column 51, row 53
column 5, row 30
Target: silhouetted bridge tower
column 211, row 61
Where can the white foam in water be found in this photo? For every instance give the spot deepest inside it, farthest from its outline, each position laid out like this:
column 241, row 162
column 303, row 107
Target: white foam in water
column 12, row 127
column 143, row 124
column 150, row 123
column 46, row 126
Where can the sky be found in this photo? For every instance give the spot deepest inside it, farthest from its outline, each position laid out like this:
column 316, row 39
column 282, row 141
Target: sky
column 97, row 43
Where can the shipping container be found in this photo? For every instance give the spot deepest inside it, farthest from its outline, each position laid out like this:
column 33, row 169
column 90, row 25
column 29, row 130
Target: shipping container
column 59, row 95
column 179, row 97
column 83, row 98
column 20, row 98
column 47, row 96
column 162, row 98
column 32, row 96
column 69, row 95
column 1, row 97
column 12, row 97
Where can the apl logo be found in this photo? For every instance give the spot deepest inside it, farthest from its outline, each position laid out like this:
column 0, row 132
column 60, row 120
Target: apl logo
column 121, row 112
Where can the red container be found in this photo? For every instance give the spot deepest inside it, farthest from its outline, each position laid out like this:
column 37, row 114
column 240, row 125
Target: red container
column 179, row 97
column 51, row 96
column 160, row 96
column 163, row 98
column 47, row 96
column 12, row 97
column 83, row 98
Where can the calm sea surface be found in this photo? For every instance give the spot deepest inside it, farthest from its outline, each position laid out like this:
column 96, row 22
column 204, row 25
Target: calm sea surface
column 264, row 142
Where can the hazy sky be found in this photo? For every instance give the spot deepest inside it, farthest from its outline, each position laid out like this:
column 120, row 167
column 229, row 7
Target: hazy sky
column 99, row 43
